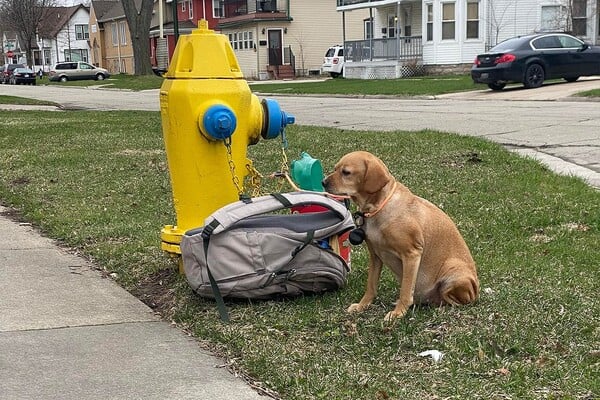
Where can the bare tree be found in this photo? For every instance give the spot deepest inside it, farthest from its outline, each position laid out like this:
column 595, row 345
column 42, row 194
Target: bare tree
column 139, row 16
column 24, row 17
column 498, row 19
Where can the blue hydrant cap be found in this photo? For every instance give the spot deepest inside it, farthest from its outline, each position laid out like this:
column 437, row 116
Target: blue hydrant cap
column 277, row 120
column 219, row 122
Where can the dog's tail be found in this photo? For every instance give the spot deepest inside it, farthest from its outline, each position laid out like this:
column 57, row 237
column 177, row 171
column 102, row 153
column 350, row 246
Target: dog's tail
column 460, row 290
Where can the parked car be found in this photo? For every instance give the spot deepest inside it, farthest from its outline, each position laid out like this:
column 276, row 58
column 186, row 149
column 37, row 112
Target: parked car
column 532, row 59
column 76, row 70
column 7, row 70
column 24, row 76
column 333, row 62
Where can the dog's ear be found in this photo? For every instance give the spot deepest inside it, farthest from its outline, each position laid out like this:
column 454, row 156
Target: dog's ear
column 376, row 176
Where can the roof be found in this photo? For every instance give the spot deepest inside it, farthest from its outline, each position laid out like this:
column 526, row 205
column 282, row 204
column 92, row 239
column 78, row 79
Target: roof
column 107, row 10
column 110, row 10
column 56, row 18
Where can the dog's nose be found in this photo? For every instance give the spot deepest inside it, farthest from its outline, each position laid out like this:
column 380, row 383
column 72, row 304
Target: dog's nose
column 324, row 182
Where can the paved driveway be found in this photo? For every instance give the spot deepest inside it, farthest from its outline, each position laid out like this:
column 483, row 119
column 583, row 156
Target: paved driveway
column 544, row 123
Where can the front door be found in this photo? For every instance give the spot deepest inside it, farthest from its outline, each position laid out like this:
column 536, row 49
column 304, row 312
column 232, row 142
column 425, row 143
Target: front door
column 275, row 47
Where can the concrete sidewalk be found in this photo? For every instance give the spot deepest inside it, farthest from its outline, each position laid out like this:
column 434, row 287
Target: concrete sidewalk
column 66, row 332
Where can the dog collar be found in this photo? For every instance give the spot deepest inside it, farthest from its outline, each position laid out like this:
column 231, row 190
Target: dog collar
column 389, row 196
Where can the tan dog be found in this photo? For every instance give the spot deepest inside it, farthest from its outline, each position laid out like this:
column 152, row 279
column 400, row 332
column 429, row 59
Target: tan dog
column 414, row 238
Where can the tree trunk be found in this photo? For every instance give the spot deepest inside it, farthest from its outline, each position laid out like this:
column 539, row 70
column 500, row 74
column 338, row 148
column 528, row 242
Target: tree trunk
column 139, row 28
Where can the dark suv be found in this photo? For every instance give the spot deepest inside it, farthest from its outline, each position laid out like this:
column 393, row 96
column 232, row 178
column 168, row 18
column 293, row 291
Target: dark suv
column 7, row 70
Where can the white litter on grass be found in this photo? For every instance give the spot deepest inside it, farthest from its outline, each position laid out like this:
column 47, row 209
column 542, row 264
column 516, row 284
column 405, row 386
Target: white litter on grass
column 435, row 355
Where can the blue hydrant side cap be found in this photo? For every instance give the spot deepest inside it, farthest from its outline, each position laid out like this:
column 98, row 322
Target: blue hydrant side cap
column 219, row 122
column 277, row 120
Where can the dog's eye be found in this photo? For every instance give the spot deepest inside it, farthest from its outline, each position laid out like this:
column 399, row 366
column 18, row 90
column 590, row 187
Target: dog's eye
column 345, row 172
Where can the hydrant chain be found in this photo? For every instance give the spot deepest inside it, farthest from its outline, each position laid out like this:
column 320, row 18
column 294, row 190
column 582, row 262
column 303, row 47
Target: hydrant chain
column 234, row 177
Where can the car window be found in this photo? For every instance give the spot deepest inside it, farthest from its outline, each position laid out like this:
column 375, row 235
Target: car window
column 569, row 42
column 546, row 42
column 330, row 52
column 341, row 53
column 85, row 66
column 507, row 45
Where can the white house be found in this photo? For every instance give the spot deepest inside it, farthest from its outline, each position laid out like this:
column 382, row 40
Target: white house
column 404, row 37
column 63, row 36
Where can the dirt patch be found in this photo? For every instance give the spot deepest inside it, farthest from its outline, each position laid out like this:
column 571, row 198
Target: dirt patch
column 157, row 291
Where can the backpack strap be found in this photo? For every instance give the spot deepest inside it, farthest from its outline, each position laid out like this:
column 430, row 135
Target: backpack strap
column 309, row 237
column 237, row 211
column 206, row 232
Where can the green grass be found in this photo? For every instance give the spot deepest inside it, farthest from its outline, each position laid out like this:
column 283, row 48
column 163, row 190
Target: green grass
column 534, row 334
column 590, row 93
column 24, row 101
column 418, row 86
column 118, row 81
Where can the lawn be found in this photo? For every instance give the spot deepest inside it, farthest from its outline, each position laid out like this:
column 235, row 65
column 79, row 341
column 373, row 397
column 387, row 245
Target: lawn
column 118, row 81
column 418, row 86
column 534, row 334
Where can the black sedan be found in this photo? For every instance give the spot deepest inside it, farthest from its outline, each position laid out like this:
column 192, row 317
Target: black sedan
column 23, row 76
column 534, row 58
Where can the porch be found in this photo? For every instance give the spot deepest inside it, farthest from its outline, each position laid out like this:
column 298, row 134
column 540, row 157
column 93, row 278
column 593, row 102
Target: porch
column 392, row 58
column 242, row 11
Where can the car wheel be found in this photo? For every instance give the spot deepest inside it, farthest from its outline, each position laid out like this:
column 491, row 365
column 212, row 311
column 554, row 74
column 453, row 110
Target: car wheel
column 100, row 77
column 496, row 85
column 571, row 78
column 334, row 74
column 64, row 79
column 534, row 76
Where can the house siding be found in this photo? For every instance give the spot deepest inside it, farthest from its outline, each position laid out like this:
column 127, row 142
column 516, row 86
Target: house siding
column 459, row 50
column 314, row 27
column 96, row 41
column 66, row 40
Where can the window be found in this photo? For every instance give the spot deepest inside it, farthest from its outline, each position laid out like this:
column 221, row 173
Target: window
column 448, row 21
column 579, row 17
column 191, row 10
column 472, row 19
column 47, row 57
column 218, row 9
column 368, row 28
column 392, row 22
column 429, row 22
column 183, row 6
column 407, row 23
column 123, row 32
column 76, row 55
column 568, row 42
column 241, row 40
column 552, row 18
column 81, row 32
column 547, row 42
column 114, row 30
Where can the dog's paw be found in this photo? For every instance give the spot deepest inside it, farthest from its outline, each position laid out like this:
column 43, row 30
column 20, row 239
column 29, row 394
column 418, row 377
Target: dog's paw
column 356, row 308
column 392, row 315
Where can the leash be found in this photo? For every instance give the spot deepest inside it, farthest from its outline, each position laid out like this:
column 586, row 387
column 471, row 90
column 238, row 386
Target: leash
column 358, row 235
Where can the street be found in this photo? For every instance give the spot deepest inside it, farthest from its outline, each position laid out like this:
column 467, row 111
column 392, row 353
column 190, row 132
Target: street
column 544, row 123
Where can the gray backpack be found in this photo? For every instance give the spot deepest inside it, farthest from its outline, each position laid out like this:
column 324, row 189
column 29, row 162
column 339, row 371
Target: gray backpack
column 245, row 251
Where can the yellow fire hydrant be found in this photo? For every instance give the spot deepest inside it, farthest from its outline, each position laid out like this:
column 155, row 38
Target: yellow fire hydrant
column 209, row 117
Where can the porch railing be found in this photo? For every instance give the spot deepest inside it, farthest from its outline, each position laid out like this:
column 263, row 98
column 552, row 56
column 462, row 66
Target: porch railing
column 242, row 7
column 341, row 3
column 401, row 48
